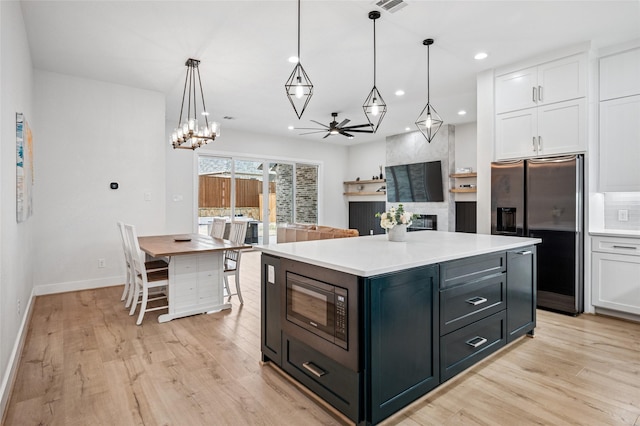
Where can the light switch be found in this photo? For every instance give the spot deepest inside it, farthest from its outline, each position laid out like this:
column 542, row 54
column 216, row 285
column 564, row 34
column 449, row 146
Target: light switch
column 623, row 215
column 147, row 196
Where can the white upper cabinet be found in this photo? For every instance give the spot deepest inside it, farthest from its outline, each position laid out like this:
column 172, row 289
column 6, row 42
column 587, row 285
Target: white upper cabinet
column 541, row 110
column 551, row 82
column 619, row 141
column 619, row 75
column 620, row 144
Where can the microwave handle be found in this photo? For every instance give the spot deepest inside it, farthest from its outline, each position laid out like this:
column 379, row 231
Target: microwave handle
column 314, row 369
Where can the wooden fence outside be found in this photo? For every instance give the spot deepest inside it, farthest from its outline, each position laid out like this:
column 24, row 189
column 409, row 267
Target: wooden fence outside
column 215, row 192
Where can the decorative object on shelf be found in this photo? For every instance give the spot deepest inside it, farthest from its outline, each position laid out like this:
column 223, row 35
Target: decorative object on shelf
column 429, row 121
column 189, row 134
column 335, row 128
column 374, row 106
column 464, row 170
column 395, row 221
column 299, row 87
column 381, row 175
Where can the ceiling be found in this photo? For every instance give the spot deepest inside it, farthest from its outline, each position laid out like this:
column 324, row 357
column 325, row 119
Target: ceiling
column 244, row 47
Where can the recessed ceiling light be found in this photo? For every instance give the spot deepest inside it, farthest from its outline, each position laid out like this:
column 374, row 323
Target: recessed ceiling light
column 399, row 92
column 462, row 112
column 293, row 59
column 481, row 55
column 406, row 129
column 290, row 127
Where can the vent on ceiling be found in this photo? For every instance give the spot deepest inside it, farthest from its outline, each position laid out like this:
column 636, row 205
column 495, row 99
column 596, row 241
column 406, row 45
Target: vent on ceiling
column 391, row 6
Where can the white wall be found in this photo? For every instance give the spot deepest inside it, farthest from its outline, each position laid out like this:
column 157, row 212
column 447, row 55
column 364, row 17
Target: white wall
column 182, row 171
column 16, row 246
column 466, row 153
column 364, row 161
column 485, row 150
column 91, row 133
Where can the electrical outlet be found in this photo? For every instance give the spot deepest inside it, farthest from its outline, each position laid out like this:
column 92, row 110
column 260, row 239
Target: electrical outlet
column 623, row 215
column 102, row 263
column 19, row 308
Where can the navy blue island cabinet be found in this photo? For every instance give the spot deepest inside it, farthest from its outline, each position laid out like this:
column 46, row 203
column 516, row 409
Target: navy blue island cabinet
column 370, row 346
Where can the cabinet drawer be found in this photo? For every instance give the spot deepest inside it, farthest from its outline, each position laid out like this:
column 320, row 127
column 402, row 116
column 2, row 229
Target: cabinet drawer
column 466, row 346
column 617, row 245
column 471, row 269
column 463, row 304
column 333, row 382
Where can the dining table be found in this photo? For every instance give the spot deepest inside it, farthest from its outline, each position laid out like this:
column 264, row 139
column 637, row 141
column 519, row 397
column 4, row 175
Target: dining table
column 196, row 271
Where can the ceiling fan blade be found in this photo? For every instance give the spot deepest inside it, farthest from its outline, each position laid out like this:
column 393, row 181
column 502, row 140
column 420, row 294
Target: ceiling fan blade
column 357, row 126
column 346, row 134
column 323, row 125
column 359, row 131
column 309, row 128
column 343, row 122
column 312, row 133
column 327, row 135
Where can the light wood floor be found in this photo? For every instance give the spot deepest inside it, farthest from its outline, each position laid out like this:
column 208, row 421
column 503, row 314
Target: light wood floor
column 85, row 362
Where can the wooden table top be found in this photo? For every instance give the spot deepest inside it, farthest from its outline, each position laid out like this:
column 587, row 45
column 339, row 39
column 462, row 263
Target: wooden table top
column 170, row 245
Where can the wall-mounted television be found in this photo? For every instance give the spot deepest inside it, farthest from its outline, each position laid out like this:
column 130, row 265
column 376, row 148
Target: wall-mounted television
column 418, row 182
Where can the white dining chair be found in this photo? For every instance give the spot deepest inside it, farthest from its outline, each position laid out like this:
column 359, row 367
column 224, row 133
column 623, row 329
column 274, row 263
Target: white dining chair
column 128, row 284
column 218, row 226
column 145, row 279
column 237, row 235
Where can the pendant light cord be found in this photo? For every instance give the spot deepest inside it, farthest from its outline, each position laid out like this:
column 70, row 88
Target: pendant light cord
column 428, row 72
column 374, row 53
column 298, row 31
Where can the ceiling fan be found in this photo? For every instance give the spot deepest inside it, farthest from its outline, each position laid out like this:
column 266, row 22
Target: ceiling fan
column 335, row 128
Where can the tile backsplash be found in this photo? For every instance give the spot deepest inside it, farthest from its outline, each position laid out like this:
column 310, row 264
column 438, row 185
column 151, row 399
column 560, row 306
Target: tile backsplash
column 614, row 202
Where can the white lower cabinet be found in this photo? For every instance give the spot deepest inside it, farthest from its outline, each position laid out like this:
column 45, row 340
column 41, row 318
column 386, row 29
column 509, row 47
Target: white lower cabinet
column 615, row 273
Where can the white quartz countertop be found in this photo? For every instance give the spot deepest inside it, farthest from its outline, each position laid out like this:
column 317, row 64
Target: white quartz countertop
column 373, row 254
column 615, row 233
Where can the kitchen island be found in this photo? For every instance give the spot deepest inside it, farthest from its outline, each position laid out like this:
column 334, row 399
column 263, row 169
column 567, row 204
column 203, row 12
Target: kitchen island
column 371, row 325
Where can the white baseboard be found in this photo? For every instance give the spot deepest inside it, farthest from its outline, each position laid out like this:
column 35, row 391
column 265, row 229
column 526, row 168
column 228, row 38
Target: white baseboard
column 43, row 289
column 14, row 359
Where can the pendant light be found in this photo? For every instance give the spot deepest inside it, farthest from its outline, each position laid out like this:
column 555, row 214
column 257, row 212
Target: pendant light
column 374, row 106
column 190, row 134
column 429, row 121
column 299, row 88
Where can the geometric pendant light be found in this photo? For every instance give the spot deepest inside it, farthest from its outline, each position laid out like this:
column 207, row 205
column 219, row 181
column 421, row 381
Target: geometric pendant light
column 189, row 134
column 299, row 87
column 428, row 121
column 374, row 106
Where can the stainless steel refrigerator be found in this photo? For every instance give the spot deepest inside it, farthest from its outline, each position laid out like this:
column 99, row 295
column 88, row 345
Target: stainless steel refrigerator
column 543, row 198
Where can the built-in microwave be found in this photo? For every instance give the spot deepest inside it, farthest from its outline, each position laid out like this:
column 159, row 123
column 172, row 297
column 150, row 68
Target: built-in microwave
column 318, row 307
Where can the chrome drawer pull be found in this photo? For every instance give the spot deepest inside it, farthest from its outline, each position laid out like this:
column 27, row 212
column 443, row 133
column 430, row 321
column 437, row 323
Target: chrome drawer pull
column 314, row 369
column 476, row 300
column 624, row 247
column 476, row 341
column 533, row 94
column 540, row 93
column 524, row 253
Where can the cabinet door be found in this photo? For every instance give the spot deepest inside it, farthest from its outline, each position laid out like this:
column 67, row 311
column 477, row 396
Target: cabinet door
column 619, row 144
column 562, row 80
column 516, row 134
column 403, row 318
column 619, row 75
column 515, row 90
column 521, row 292
column 562, row 127
column 615, row 281
column 272, row 303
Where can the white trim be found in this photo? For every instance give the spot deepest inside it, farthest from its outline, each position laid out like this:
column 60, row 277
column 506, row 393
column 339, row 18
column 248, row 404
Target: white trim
column 64, row 287
column 14, row 359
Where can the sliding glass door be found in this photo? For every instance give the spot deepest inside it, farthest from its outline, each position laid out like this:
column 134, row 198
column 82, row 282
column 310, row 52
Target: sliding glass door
column 265, row 193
